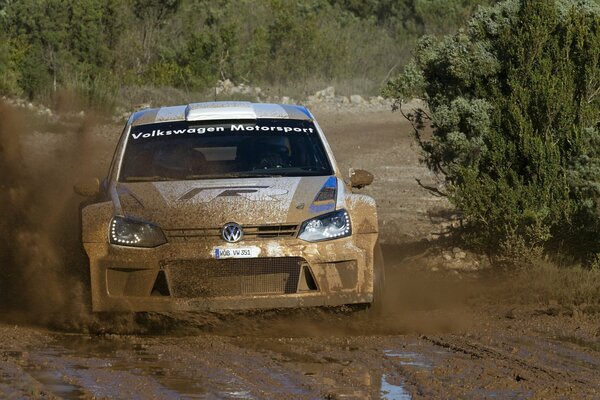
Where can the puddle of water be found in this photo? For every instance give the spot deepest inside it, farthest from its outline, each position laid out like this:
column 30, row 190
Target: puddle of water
column 238, row 395
column 389, row 391
column 162, row 373
column 408, row 358
column 100, row 354
column 53, row 381
column 122, row 355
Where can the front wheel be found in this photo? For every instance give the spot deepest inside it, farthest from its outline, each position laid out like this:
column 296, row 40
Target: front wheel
column 378, row 280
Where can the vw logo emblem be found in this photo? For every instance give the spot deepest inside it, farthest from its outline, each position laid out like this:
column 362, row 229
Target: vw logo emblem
column 232, row 232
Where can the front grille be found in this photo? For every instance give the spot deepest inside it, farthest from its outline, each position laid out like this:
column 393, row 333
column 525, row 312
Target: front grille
column 190, row 234
column 250, row 232
column 270, row 231
column 233, row 277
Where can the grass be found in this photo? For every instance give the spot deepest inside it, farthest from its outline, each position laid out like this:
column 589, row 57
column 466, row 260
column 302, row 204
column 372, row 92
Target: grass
column 546, row 283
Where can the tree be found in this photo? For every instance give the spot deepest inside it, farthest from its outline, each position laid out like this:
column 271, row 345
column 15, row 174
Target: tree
column 514, row 103
column 58, row 43
column 153, row 15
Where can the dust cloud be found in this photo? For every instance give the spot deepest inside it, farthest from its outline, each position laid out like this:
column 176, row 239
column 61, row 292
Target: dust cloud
column 42, row 265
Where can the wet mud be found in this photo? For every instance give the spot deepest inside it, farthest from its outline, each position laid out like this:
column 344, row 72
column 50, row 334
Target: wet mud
column 439, row 336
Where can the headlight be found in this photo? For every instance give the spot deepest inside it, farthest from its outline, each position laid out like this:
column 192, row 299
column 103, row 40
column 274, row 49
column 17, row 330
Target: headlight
column 129, row 232
column 326, row 227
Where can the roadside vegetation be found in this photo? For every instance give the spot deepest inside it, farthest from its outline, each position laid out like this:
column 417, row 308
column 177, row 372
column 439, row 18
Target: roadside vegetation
column 546, row 282
column 513, row 101
column 115, row 51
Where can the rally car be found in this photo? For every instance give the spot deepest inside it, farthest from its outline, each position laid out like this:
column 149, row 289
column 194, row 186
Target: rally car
column 228, row 205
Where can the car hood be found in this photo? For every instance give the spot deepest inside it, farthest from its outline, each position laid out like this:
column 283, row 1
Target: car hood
column 213, row 203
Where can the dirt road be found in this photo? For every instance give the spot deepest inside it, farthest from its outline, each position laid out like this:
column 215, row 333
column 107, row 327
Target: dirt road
column 437, row 338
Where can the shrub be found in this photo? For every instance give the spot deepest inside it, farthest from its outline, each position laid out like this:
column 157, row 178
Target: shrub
column 49, row 45
column 514, row 103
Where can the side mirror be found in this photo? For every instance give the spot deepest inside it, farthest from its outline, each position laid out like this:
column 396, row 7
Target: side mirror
column 89, row 187
column 359, row 178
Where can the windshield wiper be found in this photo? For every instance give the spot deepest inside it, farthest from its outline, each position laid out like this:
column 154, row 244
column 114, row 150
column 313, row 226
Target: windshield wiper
column 316, row 169
column 147, row 179
column 217, row 176
column 291, row 171
column 132, row 179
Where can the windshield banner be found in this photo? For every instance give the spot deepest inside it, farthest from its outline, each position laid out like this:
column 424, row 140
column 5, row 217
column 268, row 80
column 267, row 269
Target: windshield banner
column 210, row 129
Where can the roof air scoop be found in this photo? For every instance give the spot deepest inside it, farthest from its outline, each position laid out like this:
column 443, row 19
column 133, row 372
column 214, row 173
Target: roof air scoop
column 219, row 111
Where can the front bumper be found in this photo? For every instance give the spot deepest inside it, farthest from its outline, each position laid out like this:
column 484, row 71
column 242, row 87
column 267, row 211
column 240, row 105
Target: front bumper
column 186, row 276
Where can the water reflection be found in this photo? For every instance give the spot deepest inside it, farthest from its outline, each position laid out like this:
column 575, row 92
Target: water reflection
column 389, row 391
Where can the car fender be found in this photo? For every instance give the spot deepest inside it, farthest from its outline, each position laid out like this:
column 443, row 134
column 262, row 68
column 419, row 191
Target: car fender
column 363, row 213
column 95, row 220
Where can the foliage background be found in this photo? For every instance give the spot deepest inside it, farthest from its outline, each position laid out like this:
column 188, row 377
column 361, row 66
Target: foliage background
column 99, row 48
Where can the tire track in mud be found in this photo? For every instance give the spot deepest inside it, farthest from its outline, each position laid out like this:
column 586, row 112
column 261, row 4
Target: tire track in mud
column 210, row 366
column 481, row 351
column 533, row 369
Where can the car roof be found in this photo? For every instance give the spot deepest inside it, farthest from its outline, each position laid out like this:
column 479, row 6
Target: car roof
column 221, row 110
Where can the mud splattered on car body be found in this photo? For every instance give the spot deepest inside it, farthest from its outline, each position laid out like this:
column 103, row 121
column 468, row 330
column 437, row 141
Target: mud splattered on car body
column 286, row 231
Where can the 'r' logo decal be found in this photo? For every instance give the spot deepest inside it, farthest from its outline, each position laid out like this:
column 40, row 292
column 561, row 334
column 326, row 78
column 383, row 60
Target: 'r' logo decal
column 255, row 193
column 232, row 191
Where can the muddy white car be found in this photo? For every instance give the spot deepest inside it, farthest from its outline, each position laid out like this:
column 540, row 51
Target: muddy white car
column 228, row 205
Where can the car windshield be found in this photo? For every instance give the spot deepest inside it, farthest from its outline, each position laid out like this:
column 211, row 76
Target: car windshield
column 223, row 149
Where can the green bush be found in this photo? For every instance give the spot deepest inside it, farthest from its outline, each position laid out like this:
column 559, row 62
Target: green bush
column 53, row 44
column 514, row 103
column 49, row 45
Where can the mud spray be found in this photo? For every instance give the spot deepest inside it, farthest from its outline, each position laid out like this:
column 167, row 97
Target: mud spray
column 43, row 268
column 35, row 285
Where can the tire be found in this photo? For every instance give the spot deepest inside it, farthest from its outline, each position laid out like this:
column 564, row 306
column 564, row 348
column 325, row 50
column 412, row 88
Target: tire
column 377, row 305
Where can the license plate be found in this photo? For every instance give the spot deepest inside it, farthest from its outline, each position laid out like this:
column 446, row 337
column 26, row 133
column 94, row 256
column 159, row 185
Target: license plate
column 236, row 252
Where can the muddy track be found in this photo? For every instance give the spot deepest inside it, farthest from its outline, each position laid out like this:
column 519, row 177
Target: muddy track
column 433, row 341
column 565, row 371
column 258, row 364
column 481, row 351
